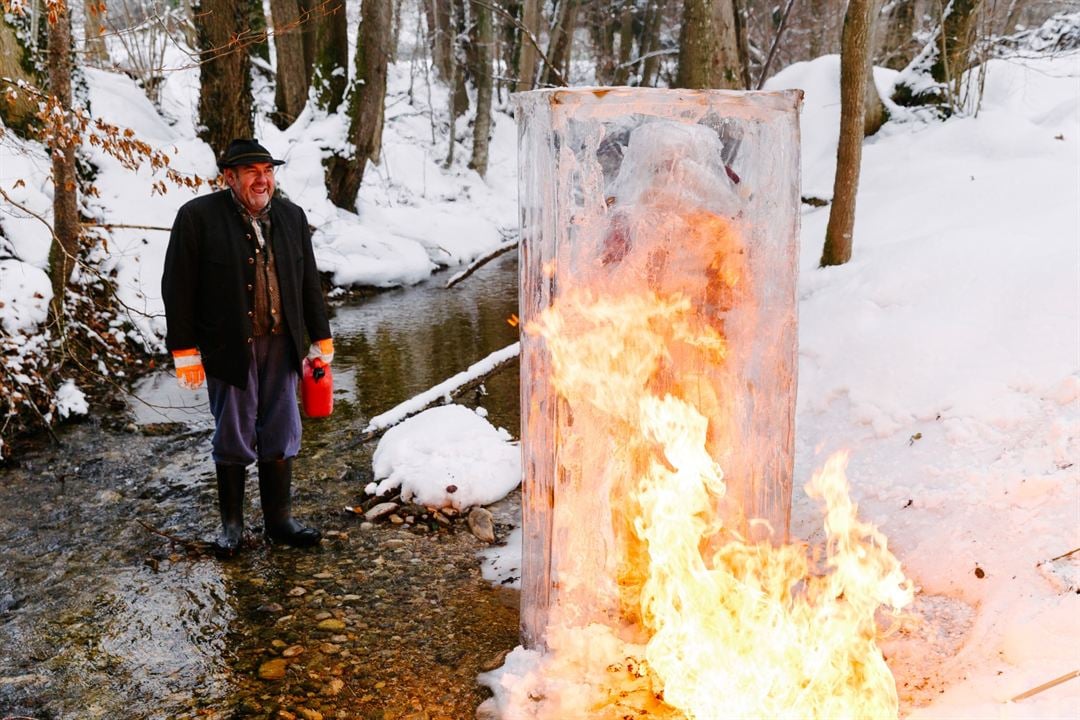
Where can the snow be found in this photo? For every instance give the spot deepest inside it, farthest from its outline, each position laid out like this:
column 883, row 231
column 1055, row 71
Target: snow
column 448, row 456
column 945, row 356
column 70, row 400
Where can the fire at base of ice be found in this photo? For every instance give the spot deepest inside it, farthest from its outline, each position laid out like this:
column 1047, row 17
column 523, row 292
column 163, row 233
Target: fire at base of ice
column 712, row 626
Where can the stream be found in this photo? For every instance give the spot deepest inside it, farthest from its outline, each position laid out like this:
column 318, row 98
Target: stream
column 109, row 610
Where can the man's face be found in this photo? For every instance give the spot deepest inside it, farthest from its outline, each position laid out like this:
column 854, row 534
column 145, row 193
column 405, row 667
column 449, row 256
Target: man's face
column 253, row 184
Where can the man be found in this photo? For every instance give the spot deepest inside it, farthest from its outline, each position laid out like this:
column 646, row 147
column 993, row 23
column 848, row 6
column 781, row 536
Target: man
column 241, row 290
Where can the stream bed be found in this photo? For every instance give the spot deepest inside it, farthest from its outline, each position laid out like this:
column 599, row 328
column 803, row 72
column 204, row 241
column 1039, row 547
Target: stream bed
column 110, row 609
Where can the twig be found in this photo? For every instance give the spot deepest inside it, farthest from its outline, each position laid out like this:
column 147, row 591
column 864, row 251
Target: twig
column 119, row 226
column 775, row 44
column 191, row 545
column 1064, row 555
column 481, row 261
column 1046, row 685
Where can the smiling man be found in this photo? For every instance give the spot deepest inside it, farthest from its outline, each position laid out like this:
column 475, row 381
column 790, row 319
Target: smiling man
column 242, row 302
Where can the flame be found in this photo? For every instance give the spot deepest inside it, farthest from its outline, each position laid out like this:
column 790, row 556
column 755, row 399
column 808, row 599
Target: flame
column 716, row 625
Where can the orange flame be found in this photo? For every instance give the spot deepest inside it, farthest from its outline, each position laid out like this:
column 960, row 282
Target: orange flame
column 722, row 627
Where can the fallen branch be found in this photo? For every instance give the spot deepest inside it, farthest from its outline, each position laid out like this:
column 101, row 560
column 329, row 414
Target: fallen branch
column 1046, row 685
column 452, row 387
column 481, row 261
column 121, row 226
column 196, row 546
column 1064, row 555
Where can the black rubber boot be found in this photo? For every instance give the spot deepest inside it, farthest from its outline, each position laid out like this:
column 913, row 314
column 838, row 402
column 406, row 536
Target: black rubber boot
column 275, row 489
column 230, row 484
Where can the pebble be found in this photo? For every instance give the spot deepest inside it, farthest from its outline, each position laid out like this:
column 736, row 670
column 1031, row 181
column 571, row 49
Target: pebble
column 273, row 669
column 329, row 649
column 297, row 591
column 323, row 576
column 380, row 511
column 270, row 608
column 323, row 615
column 308, row 714
column 332, row 624
column 397, row 519
column 482, row 524
column 334, row 687
column 292, row 651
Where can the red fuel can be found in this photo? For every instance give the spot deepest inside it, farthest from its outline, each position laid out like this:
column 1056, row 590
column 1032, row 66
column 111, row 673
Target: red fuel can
column 317, row 389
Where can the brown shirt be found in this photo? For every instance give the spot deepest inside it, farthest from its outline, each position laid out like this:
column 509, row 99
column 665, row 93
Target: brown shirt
column 267, row 317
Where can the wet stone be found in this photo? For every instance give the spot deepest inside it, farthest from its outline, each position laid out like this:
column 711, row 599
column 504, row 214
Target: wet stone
column 273, row 669
column 482, row 524
column 380, row 511
column 332, row 624
column 292, row 651
column 297, row 591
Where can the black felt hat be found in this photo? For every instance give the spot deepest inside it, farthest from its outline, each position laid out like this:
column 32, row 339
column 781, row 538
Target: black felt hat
column 246, row 151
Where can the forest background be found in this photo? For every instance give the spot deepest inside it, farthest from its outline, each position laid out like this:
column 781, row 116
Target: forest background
column 282, row 60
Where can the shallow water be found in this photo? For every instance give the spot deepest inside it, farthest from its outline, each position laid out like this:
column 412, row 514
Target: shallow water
column 102, row 616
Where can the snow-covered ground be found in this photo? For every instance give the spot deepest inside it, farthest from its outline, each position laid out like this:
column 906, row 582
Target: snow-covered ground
column 945, row 356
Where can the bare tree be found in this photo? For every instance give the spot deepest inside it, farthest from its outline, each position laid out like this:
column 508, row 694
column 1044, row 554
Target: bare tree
column 93, row 33
column 709, row 46
column 854, row 60
column 482, row 72
column 65, row 206
column 367, row 100
column 331, row 74
column 626, row 43
column 561, row 38
column 291, row 86
column 528, row 54
column 650, row 41
column 935, row 75
column 225, row 106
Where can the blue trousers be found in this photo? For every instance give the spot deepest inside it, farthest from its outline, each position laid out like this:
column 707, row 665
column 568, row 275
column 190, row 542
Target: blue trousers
column 261, row 422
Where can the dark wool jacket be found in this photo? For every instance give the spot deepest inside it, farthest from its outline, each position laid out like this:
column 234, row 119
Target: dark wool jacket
column 209, row 281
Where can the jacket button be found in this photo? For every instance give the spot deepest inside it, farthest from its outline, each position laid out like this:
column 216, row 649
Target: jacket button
column 251, row 340
column 251, row 314
column 251, row 261
column 250, row 287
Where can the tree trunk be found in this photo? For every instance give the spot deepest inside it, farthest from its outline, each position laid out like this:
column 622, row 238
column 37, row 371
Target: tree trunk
column 440, row 35
column 224, row 73
column 310, row 11
column 955, row 41
column 602, row 31
column 626, row 44
column 742, row 41
column 366, row 100
column 258, row 47
column 65, row 205
column 898, row 32
column 482, row 72
column 93, row 33
column 709, row 46
column 854, row 58
column 562, row 37
column 290, row 90
column 944, row 60
column 331, row 74
column 650, row 42
column 874, row 113
column 18, row 114
column 528, row 57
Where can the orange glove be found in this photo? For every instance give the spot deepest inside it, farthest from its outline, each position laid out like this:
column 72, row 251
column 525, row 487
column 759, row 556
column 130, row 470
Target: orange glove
column 189, row 368
column 322, row 349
